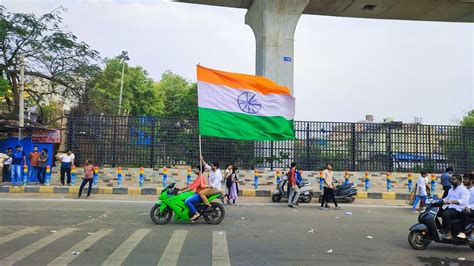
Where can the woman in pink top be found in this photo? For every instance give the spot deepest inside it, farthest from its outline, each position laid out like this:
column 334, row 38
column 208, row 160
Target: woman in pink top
column 88, row 174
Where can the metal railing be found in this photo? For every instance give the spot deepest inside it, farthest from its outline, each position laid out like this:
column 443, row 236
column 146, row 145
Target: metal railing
column 156, row 142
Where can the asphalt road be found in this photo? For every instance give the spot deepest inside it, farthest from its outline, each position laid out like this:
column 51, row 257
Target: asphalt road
column 41, row 232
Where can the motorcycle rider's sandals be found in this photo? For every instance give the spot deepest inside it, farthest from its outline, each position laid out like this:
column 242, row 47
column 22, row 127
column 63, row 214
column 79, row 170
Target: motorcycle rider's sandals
column 195, row 217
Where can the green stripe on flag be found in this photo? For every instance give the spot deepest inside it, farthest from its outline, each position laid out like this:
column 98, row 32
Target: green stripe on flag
column 242, row 126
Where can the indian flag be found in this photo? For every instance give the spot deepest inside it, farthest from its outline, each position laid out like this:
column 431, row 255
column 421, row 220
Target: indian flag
column 239, row 106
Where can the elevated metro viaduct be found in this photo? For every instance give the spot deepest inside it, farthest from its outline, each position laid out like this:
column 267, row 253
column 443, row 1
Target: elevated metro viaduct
column 274, row 22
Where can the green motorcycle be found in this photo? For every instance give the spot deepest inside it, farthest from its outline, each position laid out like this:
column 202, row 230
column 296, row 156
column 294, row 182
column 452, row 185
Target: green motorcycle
column 169, row 202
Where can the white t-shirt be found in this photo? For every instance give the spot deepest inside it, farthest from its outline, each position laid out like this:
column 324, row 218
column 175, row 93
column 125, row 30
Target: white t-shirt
column 421, row 186
column 215, row 178
column 66, row 158
column 471, row 199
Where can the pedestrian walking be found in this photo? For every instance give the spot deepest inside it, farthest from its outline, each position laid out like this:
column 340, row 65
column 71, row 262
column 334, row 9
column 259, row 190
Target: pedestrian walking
column 227, row 181
column 67, row 161
column 445, row 180
column 329, row 193
column 88, row 174
column 18, row 160
column 294, row 189
column 422, row 189
column 234, row 187
column 34, row 165
column 43, row 163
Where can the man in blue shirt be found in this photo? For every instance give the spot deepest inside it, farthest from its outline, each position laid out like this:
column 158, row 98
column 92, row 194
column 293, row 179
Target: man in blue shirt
column 18, row 159
column 445, row 180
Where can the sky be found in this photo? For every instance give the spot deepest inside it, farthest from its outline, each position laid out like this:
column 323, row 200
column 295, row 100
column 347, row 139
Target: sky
column 345, row 68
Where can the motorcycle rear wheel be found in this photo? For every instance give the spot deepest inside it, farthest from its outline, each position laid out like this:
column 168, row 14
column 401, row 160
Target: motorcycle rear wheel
column 415, row 238
column 160, row 217
column 216, row 214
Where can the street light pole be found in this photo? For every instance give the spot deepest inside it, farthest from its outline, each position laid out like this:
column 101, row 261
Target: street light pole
column 124, row 57
column 21, row 99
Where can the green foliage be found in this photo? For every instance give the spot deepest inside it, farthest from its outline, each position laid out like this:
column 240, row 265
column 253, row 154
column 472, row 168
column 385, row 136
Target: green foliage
column 51, row 54
column 4, row 87
column 178, row 96
column 139, row 94
column 50, row 112
column 468, row 120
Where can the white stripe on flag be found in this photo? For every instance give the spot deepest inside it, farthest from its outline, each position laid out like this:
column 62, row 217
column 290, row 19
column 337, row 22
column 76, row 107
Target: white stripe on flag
column 223, row 98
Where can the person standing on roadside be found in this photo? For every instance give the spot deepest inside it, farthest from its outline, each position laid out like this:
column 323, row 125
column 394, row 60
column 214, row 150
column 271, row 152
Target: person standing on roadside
column 328, row 193
column 88, row 174
column 34, row 164
column 67, row 161
column 445, row 180
column 294, row 189
column 5, row 161
column 18, row 160
column 43, row 163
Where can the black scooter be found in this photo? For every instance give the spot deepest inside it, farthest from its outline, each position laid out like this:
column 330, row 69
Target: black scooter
column 426, row 231
column 345, row 193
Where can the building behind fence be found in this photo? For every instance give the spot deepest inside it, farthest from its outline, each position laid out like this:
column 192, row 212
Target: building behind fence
column 156, row 142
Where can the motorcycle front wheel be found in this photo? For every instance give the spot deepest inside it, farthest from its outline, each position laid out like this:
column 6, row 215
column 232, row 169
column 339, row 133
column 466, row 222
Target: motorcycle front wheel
column 417, row 241
column 160, row 217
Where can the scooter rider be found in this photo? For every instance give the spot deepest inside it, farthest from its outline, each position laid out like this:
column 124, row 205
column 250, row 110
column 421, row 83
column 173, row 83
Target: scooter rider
column 456, row 201
column 468, row 212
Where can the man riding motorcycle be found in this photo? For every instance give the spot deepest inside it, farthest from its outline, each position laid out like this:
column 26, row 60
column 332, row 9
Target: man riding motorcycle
column 456, row 201
column 197, row 186
column 468, row 212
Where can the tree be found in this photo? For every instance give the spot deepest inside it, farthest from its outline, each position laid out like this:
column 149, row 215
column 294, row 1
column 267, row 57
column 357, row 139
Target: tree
column 140, row 96
column 51, row 54
column 468, row 120
column 179, row 96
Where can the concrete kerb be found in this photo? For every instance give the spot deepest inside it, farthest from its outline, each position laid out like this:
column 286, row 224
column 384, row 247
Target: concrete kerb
column 156, row 191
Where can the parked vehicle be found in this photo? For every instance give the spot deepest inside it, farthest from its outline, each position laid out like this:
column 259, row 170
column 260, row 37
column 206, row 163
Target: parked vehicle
column 345, row 193
column 281, row 191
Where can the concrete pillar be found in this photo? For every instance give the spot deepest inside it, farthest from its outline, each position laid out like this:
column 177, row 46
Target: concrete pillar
column 274, row 22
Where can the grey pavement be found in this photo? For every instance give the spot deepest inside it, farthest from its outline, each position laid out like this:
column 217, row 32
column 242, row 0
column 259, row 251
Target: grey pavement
column 114, row 232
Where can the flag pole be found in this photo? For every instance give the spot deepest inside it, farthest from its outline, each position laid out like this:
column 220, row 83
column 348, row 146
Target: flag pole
column 200, row 154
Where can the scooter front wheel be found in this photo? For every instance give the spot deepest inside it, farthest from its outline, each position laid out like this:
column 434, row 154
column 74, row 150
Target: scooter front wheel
column 158, row 217
column 276, row 197
column 417, row 241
